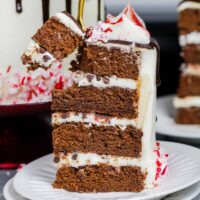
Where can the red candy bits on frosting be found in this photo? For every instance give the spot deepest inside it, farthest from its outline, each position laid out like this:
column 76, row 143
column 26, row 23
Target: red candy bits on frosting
column 131, row 14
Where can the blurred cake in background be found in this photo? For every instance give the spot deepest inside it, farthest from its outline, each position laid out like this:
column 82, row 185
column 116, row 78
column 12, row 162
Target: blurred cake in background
column 187, row 101
column 20, row 19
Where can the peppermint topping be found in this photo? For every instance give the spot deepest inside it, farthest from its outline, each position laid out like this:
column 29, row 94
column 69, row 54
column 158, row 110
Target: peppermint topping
column 32, row 87
column 161, row 162
column 126, row 27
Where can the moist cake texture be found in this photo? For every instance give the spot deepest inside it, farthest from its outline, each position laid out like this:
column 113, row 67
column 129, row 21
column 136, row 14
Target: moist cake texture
column 187, row 101
column 101, row 140
column 104, row 125
column 127, row 179
column 112, row 101
column 123, row 64
column 59, row 37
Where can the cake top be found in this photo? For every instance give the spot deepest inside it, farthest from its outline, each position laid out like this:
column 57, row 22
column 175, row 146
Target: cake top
column 188, row 4
column 183, row 1
column 127, row 26
column 69, row 21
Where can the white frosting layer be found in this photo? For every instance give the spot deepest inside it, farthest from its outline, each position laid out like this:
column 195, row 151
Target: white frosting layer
column 84, row 159
column 187, row 102
column 191, row 69
column 191, row 38
column 188, row 5
column 79, row 159
column 83, row 79
column 125, row 27
column 33, row 51
column 90, row 119
column 147, row 110
column 69, row 22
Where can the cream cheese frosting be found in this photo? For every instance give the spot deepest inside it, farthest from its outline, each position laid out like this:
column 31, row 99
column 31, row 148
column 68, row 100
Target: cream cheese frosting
column 91, row 119
column 191, row 69
column 187, row 102
column 34, row 53
column 190, row 38
column 87, row 79
column 79, row 159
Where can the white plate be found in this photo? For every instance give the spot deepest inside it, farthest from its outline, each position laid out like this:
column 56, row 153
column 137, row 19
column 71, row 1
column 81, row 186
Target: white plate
column 186, row 194
column 34, row 181
column 197, row 198
column 9, row 192
column 166, row 124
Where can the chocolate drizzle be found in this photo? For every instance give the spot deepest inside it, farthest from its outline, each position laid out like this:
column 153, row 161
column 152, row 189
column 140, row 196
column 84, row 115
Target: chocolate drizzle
column 99, row 10
column 19, row 6
column 69, row 6
column 45, row 9
column 155, row 44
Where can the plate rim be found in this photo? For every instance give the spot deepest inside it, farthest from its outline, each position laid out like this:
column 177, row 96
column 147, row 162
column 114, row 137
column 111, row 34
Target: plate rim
column 181, row 187
column 6, row 188
column 173, row 133
column 9, row 183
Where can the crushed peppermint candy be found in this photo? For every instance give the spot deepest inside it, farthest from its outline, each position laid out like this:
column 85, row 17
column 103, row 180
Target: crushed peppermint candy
column 33, row 86
column 161, row 162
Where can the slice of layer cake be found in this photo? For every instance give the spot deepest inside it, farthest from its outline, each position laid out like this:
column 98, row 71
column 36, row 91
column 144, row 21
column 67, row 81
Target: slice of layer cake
column 53, row 42
column 187, row 101
column 104, row 125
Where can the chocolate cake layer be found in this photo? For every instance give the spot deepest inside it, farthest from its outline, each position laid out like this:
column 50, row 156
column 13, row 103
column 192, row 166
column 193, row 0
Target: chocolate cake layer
column 106, row 140
column 191, row 53
column 56, row 38
column 102, row 61
column 189, row 86
column 188, row 115
column 113, row 101
column 189, row 21
column 100, row 178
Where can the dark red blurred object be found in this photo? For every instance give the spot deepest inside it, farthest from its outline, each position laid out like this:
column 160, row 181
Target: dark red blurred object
column 25, row 133
column 24, row 109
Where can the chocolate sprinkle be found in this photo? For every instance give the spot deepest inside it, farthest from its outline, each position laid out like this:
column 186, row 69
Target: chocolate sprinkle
column 84, row 116
column 98, row 78
column 46, row 58
column 90, row 77
column 41, row 50
column 75, row 156
column 56, row 159
column 106, row 80
column 61, row 150
column 65, row 115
